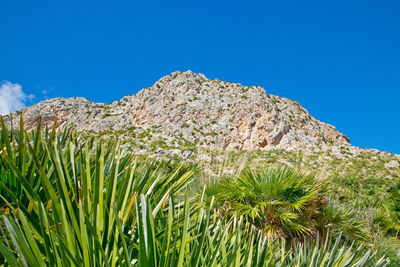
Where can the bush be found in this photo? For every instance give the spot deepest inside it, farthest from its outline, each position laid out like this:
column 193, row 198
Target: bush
column 284, row 203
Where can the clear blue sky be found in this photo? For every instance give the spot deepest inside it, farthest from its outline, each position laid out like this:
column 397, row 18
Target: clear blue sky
column 339, row 59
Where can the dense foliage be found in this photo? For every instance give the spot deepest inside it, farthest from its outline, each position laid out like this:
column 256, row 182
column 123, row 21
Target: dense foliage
column 363, row 186
column 285, row 203
column 73, row 201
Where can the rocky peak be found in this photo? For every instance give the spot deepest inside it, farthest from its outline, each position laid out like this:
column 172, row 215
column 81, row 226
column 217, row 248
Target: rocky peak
column 211, row 113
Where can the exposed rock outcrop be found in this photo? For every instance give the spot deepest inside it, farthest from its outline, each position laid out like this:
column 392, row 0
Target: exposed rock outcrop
column 210, row 113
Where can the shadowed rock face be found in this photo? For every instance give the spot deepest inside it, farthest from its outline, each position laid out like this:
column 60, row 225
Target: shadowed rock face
column 211, row 113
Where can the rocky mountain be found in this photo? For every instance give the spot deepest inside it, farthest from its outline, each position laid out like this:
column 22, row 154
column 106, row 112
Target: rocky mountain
column 221, row 128
column 210, row 113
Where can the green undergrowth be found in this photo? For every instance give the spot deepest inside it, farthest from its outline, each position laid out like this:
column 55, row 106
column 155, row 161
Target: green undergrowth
column 360, row 183
column 68, row 199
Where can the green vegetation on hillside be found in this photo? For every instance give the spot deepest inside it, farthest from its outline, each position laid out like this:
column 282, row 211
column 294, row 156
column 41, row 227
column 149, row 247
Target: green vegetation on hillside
column 360, row 185
column 283, row 203
column 70, row 200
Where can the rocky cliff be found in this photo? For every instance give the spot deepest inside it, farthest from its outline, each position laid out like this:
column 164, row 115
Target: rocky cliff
column 210, row 113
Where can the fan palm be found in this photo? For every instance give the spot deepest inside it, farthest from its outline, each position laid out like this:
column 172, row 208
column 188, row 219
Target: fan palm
column 337, row 219
column 277, row 200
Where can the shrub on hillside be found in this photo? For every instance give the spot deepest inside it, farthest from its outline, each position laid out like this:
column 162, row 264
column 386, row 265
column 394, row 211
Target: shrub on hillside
column 284, row 203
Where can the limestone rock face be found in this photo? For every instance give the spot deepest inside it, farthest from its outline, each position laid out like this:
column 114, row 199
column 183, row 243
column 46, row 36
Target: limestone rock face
column 210, row 113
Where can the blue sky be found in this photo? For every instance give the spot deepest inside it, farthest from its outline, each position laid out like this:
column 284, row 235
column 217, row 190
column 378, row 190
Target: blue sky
column 339, row 59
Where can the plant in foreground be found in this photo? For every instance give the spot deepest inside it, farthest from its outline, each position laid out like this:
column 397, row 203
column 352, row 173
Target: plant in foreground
column 170, row 236
column 88, row 203
column 284, row 203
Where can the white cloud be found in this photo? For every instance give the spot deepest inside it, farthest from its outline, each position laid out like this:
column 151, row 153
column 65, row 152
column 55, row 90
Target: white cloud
column 12, row 97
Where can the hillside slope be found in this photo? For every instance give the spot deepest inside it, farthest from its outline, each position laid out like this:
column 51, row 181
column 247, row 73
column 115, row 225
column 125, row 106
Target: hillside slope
column 210, row 113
